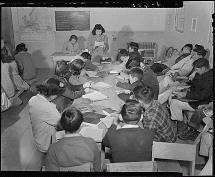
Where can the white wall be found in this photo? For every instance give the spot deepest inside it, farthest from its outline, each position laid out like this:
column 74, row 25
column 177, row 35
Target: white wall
column 127, row 24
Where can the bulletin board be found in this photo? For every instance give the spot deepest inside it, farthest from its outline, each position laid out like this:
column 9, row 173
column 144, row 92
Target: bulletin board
column 72, row 20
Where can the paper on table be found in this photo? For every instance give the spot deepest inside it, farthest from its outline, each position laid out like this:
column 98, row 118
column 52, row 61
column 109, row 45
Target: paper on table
column 107, row 121
column 181, row 87
column 114, row 72
column 91, row 73
column 101, row 86
column 92, row 132
column 123, row 91
column 95, row 96
column 59, row 134
column 100, row 44
column 182, row 77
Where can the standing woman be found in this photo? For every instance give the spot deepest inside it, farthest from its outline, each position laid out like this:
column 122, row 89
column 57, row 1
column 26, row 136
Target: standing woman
column 24, row 61
column 71, row 46
column 97, row 36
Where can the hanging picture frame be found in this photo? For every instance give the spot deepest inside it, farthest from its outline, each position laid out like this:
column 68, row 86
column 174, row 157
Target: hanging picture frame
column 179, row 19
column 194, row 24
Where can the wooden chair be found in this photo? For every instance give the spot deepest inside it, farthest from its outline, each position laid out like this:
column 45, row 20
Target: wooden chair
column 147, row 166
column 87, row 167
column 173, row 151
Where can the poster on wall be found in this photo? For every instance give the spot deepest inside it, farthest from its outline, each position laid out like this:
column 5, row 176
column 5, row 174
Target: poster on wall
column 194, row 25
column 179, row 20
column 34, row 23
column 72, row 20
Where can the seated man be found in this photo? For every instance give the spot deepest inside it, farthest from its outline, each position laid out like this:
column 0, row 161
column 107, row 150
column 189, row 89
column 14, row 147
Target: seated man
column 185, row 67
column 201, row 90
column 149, row 77
column 127, row 141
column 175, row 58
column 156, row 116
column 72, row 149
column 195, row 121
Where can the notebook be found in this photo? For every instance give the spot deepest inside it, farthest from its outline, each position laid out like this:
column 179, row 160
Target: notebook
column 100, row 86
column 85, row 108
column 95, row 96
column 92, row 132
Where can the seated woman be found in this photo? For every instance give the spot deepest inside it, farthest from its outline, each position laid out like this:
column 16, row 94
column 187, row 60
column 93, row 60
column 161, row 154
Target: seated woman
column 96, row 50
column 24, row 61
column 19, row 83
column 87, row 59
column 73, row 149
column 71, row 46
column 62, row 73
column 127, row 141
column 78, row 74
column 44, row 114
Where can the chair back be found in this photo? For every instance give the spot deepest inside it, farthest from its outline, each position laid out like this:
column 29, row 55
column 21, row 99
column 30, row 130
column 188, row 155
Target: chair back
column 81, row 168
column 174, row 151
column 146, row 166
column 208, row 124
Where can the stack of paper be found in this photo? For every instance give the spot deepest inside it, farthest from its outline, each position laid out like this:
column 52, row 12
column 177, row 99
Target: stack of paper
column 100, row 86
column 91, row 132
column 91, row 73
column 95, row 96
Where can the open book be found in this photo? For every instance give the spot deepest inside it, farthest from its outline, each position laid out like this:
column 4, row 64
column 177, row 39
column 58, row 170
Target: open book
column 95, row 96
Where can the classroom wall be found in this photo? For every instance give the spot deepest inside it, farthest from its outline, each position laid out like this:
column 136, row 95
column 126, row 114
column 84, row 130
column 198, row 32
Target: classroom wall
column 139, row 25
column 203, row 11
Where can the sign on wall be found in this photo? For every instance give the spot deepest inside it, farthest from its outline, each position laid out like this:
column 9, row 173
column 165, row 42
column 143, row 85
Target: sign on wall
column 72, row 20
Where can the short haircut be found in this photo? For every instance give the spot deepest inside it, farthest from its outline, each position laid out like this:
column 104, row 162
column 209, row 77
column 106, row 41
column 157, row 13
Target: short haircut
column 61, row 68
column 76, row 66
column 132, row 62
column 20, row 47
column 86, row 55
column 51, row 87
column 202, row 52
column 134, row 45
column 71, row 119
column 143, row 93
column 73, row 37
column 136, row 72
column 123, row 52
column 98, row 27
column 201, row 62
column 188, row 45
column 131, row 111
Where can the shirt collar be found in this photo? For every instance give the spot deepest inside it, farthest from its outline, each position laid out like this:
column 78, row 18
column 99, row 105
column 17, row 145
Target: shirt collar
column 127, row 126
column 71, row 135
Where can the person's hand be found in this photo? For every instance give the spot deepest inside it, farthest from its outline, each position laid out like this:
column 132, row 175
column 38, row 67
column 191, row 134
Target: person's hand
column 181, row 94
column 165, row 71
column 204, row 106
column 88, row 84
column 174, row 76
column 116, row 120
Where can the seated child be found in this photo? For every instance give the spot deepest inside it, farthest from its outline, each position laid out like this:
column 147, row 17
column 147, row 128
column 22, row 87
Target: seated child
column 24, row 61
column 73, row 149
column 149, row 77
column 62, row 73
column 78, row 74
column 133, row 48
column 135, row 79
column 127, row 141
column 87, row 59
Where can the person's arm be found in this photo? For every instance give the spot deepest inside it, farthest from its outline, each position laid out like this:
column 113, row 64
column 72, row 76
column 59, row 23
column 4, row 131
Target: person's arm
column 50, row 161
column 8, row 50
column 73, row 94
column 91, row 66
column 52, row 115
column 106, row 43
column 19, row 65
column 105, row 140
column 178, row 65
column 90, row 43
column 124, row 85
column 77, row 48
column 97, row 159
column 65, row 45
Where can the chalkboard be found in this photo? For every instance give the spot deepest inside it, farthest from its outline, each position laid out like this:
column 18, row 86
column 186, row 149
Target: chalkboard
column 72, row 20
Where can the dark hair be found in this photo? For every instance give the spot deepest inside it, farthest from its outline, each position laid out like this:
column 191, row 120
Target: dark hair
column 123, row 52
column 20, row 47
column 71, row 119
column 136, row 72
column 132, row 62
column 197, row 46
column 201, row 62
column 52, row 86
column 188, row 45
column 201, row 52
column 76, row 66
column 86, row 55
column 144, row 94
column 73, row 37
column 131, row 111
column 62, row 68
column 134, row 45
column 98, row 27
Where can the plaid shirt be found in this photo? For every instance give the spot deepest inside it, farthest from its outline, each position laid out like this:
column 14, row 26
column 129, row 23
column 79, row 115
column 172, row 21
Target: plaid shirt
column 157, row 119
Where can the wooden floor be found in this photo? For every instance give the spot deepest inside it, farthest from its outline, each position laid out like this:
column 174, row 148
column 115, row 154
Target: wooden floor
column 18, row 151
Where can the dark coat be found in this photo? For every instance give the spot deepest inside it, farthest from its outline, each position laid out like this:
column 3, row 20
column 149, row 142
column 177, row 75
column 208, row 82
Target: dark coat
column 201, row 89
